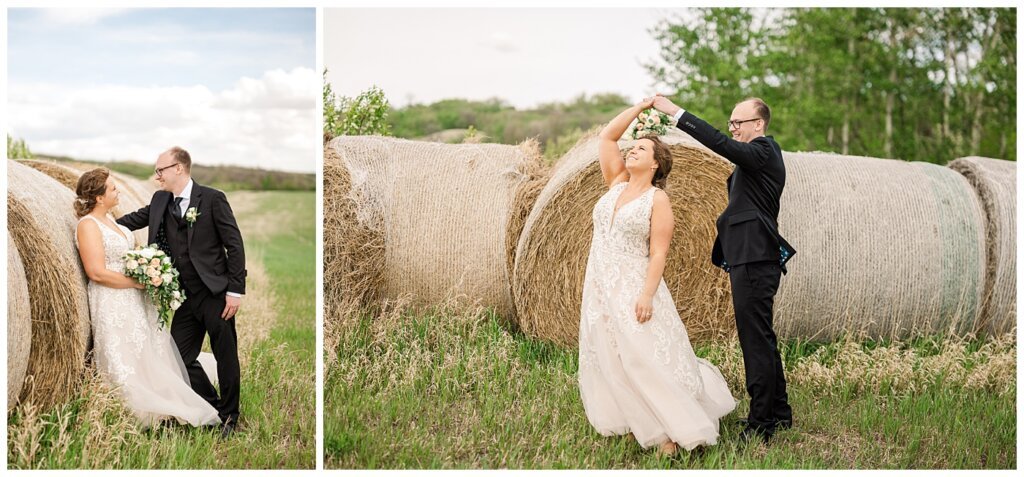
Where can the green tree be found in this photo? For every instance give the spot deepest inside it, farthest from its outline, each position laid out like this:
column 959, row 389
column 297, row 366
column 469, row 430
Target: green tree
column 17, row 149
column 366, row 114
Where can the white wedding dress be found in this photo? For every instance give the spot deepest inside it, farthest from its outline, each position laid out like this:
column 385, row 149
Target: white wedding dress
column 133, row 353
column 633, row 377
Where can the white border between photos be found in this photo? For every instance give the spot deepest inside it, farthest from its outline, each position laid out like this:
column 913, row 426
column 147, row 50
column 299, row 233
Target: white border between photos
column 320, row 5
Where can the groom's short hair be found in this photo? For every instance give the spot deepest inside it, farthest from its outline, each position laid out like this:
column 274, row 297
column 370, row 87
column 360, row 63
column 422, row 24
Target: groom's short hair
column 761, row 108
column 181, row 156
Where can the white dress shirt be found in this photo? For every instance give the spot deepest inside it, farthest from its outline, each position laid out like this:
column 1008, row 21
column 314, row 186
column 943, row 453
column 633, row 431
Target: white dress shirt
column 678, row 115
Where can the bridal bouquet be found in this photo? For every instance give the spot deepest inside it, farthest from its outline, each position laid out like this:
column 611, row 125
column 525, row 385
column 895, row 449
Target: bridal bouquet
column 152, row 267
column 650, row 121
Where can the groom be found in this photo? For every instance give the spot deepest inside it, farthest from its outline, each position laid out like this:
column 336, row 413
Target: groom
column 750, row 249
column 194, row 225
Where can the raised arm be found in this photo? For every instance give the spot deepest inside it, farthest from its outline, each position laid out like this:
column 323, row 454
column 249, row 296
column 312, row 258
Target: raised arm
column 613, row 168
column 662, row 224
column 749, row 155
column 90, row 249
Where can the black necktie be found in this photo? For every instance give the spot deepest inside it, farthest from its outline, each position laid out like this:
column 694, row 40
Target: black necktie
column 176, row 209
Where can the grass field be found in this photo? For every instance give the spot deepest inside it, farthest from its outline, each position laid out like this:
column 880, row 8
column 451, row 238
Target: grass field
column 277, row 340
column 450, row 390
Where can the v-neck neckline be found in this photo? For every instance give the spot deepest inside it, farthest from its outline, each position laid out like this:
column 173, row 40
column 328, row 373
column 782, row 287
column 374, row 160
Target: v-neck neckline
column 119, row 233
column 616, row 208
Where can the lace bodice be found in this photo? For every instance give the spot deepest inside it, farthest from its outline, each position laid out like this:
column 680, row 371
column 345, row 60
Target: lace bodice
column 627, row 231
column 114, row 244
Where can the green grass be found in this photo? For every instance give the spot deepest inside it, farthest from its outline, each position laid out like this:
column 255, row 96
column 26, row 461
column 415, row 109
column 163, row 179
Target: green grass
column 278, row 387
column 449, row 390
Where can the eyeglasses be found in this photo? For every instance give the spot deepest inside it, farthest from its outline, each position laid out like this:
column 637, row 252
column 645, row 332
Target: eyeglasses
column 736, row 124
column 160, row 171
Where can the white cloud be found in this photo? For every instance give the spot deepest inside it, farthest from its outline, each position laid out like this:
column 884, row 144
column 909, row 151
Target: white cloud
column 79, row 16
column 267, row 122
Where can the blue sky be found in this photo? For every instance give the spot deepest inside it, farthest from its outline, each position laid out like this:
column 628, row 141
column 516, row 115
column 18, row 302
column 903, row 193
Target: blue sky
column 237, row 85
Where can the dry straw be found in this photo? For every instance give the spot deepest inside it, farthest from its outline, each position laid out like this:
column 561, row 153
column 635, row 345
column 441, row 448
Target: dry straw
column 19, row 323
column 42, row 223
column 134, row 193
column 886, row 249
column 551, row 255
column 441, row 210
column 353, row 252
column 995, row 182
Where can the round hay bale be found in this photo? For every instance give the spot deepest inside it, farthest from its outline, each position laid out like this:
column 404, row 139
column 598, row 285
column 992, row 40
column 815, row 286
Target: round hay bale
column 551, row 255
column 353, row 252
column 19, row 323
column 995, row 182
column 42, row 222
column 537, row 175
column 134, row 193
column 885, row 249
column 441, row 209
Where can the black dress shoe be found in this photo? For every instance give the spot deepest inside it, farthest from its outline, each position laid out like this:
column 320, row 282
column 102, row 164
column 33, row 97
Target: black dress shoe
column 228, row 427
column 779, row 424
column 754, row 434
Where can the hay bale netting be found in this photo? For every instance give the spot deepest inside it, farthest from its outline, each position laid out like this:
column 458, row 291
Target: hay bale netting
column 885, row 249
column 42, row 223
column 353, row 252
column 19, row 323
column 551, row 255
column 134, row 193
column 995, row 182
column 442, row 210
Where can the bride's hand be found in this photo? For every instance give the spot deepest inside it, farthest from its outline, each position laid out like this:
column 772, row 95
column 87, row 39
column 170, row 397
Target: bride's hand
column 647, row 103
column 644, row 308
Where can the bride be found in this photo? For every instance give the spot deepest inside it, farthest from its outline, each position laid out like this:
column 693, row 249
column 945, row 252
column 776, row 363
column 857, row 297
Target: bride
column 638, row 373
column 130, row 349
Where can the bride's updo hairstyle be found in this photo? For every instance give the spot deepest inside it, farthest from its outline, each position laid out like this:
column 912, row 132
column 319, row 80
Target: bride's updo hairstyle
column 663, row 156
column 91, row 185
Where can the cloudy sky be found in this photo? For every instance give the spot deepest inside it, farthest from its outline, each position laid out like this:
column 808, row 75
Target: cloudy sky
column 233, row 86
column 525, row 56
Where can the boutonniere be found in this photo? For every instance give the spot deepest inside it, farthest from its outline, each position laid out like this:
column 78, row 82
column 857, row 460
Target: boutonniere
column 190, row 216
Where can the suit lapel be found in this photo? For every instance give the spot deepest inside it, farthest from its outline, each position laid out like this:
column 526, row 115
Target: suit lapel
column 193, row 201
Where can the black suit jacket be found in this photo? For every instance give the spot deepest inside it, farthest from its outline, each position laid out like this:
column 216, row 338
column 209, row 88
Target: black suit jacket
column 748, row 228
column 215, row 243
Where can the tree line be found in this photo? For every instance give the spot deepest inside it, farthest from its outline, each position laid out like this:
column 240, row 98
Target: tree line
column 916, row 84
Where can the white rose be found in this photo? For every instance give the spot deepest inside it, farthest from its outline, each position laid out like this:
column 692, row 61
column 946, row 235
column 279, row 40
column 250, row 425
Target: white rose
column 175, row 304
column 147, row 253
column 166, row 277
column 176, row 295
column 167, row 260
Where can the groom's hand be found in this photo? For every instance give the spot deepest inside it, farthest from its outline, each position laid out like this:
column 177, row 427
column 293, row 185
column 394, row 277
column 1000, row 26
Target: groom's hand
column 665, row 105
column 231, row 304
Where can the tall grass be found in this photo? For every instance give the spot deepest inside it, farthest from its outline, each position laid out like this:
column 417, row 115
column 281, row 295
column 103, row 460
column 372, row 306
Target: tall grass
column 277, row 337
column 439, row 389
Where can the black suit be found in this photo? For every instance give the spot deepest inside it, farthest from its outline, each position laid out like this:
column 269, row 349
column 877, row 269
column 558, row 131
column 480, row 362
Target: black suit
column 210, row 258
column 749, row 247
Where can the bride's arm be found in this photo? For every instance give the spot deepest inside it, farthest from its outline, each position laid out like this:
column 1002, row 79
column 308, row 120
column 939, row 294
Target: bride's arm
column 90, row 248
column 662, row 224
column 612, row 166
